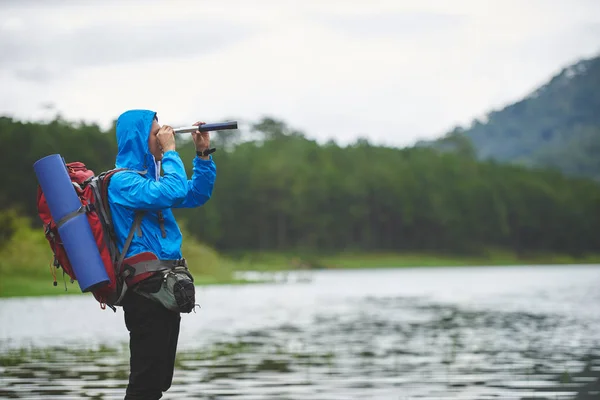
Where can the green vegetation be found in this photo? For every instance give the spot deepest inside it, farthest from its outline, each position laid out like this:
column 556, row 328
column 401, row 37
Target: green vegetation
column 282, row 192
column 270, row 261
column 25, row 262
column 556, row 126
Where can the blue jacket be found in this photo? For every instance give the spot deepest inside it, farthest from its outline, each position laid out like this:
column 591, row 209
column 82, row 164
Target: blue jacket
column 129, row 191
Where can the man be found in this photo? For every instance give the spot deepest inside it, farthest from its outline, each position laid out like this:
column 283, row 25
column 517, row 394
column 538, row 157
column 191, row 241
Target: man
column 146, row 147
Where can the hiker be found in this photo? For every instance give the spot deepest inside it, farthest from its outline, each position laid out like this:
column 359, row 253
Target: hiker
column 144, row 146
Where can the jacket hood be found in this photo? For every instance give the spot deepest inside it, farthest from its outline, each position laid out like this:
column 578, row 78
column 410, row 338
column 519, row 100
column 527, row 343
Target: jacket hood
column 133, row 129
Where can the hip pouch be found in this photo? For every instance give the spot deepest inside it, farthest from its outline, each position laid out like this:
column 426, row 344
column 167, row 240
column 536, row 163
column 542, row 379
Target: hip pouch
column 172, row 288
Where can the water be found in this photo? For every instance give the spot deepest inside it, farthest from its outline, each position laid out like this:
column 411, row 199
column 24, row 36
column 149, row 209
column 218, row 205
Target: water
column 434, row 333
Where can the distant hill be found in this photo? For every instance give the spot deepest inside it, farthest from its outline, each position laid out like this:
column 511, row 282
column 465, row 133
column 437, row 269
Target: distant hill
column 556, row 126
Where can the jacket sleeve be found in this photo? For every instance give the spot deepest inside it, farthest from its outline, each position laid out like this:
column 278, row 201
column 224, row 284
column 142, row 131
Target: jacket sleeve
column 200, row 187
column 132, row 190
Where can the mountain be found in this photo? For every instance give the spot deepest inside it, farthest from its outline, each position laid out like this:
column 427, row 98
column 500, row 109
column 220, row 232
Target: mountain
column 557, row 126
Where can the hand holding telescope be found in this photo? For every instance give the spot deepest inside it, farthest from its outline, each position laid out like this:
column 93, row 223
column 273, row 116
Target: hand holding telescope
column 219, row 126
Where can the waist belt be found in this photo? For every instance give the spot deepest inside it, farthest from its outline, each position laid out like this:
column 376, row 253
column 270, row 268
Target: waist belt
column 132, row 270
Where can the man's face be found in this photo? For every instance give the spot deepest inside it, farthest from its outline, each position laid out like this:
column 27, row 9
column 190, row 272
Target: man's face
column 153, row 141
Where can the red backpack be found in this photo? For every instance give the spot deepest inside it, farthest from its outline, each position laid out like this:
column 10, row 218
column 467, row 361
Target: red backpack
column 93, row 193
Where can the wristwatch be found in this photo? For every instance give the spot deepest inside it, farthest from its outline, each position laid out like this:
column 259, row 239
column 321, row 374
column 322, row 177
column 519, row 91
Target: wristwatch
column 205, row 152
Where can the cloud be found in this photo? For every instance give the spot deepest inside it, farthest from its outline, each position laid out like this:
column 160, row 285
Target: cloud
column 398, row 25
column 37, row 73
column 390, row 70
column 46, row 54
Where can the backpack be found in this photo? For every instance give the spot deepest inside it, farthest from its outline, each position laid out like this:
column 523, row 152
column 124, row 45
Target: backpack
column 92, row 191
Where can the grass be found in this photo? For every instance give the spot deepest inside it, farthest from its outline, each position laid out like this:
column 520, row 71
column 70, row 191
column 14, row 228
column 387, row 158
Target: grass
column 13, row 286
column 274, row 261
column 17, row 285
column 25, row 262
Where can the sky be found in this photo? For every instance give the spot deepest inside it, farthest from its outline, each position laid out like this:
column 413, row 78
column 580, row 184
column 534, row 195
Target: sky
column 393, row 72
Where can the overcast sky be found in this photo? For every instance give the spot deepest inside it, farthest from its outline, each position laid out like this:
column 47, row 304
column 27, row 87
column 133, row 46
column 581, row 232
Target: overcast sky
column 392, row 71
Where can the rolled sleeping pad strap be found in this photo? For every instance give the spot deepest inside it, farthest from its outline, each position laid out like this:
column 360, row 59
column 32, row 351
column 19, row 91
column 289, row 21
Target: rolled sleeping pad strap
column 76, row 233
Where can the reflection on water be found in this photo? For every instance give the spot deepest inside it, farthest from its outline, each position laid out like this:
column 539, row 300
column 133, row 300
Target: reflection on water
column 377, row 345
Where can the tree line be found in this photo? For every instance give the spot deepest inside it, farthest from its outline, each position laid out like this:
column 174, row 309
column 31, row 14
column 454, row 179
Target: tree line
column 281, row 191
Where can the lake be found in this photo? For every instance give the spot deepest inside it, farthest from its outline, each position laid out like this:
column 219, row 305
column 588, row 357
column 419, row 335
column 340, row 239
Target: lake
column 528, row 332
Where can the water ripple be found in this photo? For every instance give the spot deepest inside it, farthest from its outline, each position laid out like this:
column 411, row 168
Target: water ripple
column 383, row 347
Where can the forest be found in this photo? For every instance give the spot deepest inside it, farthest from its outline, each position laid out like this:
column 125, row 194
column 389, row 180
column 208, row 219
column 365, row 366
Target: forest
column 281, row 191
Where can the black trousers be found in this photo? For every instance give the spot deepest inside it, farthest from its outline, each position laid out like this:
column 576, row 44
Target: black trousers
column 153, row 334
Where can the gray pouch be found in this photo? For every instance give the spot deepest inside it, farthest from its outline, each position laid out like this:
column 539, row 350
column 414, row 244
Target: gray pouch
column 176, row 292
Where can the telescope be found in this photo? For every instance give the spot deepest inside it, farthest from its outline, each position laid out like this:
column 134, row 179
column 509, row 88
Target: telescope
column 219, row 126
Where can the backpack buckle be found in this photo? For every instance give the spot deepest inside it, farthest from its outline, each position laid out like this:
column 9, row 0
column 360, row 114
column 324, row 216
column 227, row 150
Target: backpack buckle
column 182, row 262
column 127, row 271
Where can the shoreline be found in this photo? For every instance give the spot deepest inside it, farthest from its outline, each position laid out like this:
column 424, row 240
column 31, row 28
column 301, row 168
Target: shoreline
column 15, row 285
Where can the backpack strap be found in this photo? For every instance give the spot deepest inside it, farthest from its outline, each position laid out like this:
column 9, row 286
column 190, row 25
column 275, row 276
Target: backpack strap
column 139, row 215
